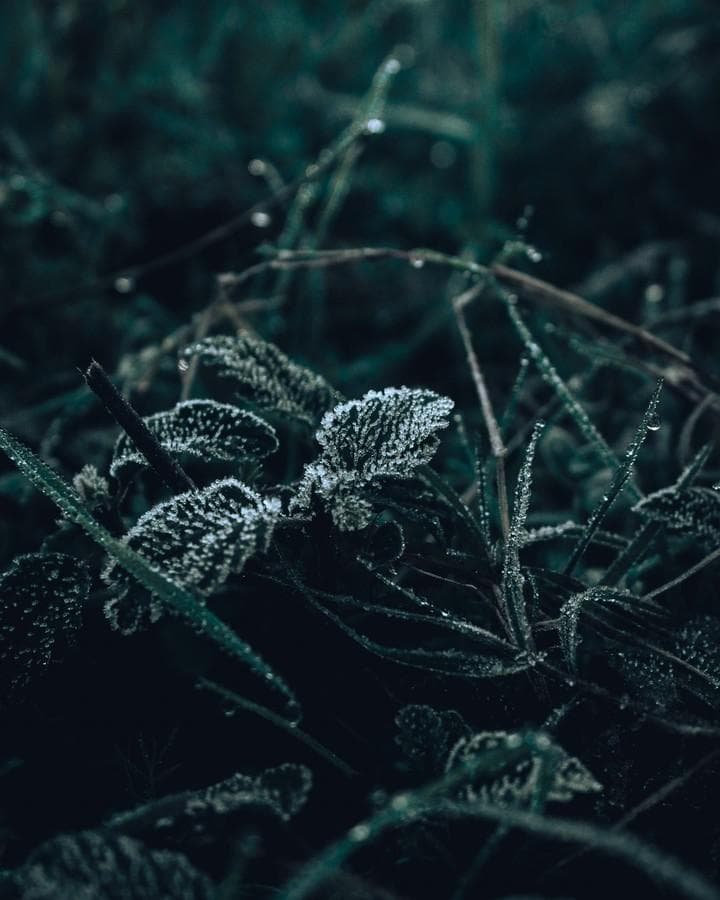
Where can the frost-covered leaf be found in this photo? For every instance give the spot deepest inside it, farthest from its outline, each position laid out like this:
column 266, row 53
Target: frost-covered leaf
column 516, row 783
column 197, row 539
column 426, row 736
column 203, row 429
column 698, row 644
column 99, row 865
column 649, row 677
column 282, row 790
column 385, row 434
column 91, row 485
column 693, row 511
column 41, row 599
column 265, row 376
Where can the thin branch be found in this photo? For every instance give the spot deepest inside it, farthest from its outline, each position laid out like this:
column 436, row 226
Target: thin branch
column 167, row 468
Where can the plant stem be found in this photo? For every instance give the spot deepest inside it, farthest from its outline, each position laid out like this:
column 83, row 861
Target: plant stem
column 167, row 468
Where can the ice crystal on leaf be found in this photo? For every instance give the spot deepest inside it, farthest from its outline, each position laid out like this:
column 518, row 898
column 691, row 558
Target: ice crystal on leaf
column 692, row 511
column 197, row 539
column 517, row 780
column 91, row 865
column 265, row 376
column 385, row 434
column 426, row 735
column 203, row 429
column 282, row 790
column 91, row 485
column 41, row 599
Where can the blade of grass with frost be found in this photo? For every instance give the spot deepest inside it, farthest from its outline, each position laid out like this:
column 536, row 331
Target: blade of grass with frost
column 619, row 479
column 512, row 577
column 515, row 393
column 553, row 379
column 652, row 529
column 446, row 493
column 179, row 600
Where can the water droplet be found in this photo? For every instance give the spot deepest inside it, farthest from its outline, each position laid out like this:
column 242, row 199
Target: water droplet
column 183, row 365
column 654, row 293
column 392, row 66
column 533, row 254
column 260, row 219
column 124, row 284
column 416, row 261
column 400, row 802
column 257, row 167
column 375, row 126
column 654, row 422
column 359, row 832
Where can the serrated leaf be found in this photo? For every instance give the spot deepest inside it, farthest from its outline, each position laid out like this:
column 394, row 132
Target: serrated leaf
column 203, row 429
column 100, row 864
column 265, row 376
column 385, row 434
column 179, row 600
column 517, row 783
column 197, row 539
column 41, row 601
column 283, row 790
column 693, row 511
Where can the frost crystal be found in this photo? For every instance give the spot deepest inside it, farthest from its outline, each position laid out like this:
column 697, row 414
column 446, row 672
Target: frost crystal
column 197, row 539
column 386, row 434
column 426, row 735
column 693, row 511
column 92, row 864
column 515, row 783
column 283, row 790
column 266, row 377
column 41, row 599
column 204, row 429
column 91, row 485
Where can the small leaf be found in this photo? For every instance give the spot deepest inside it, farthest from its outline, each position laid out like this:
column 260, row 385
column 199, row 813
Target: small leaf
column 41, row 601
column 386, row 434
column 198, row 539
column 99, row 864
column 203, row 429
column 517, row 782
column 426, row 735
column 265, row 376
column 283, row 790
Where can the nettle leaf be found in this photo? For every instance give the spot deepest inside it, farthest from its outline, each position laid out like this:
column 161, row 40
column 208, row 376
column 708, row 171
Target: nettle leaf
column 519, row 781
column 203, row 429
column 100, row 864
column 385, row 434
column 41, row 601
column 282, row 790
column 265, row 376
column 197, row 539
column 693, row 511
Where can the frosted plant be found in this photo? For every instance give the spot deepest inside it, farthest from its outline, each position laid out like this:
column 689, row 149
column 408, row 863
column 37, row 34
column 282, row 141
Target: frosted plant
column 100, row 865
column 91, row 485
column 283, row 790
column 197, row 539
column 517, row 781
column 203, row 429
column 693, row 511
column 385, row 434
column 265, row 376
column 41, row 599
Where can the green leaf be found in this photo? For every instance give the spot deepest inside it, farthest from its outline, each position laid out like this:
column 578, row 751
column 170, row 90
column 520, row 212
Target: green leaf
column 265, row 376
column 178, row 599
column 203, row 429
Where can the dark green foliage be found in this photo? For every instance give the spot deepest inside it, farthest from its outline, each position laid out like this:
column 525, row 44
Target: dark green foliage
column 479, row 612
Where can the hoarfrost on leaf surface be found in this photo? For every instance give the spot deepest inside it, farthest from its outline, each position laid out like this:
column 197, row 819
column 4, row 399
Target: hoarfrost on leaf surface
column 693, row 511
column 197, row 539
column 265, row 376
column 515, row 782
column 100, row 865
column 385, row 434
column 203, row 429
column 41, row 600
